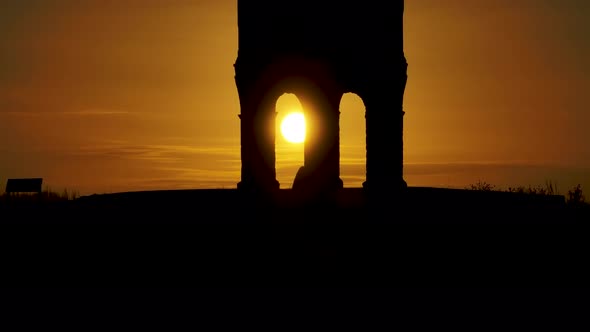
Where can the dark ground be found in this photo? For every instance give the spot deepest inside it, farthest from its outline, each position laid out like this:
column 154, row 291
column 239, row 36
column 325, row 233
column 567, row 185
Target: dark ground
column 223, row 238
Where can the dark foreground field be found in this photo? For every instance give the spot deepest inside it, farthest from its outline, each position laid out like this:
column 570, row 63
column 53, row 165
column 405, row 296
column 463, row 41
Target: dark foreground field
column 424, row 237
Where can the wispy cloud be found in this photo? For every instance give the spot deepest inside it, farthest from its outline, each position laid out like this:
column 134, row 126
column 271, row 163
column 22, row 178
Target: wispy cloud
column 187, row 178
column 352, row 161
column 88, row 112
column 162, row 166
column 96, row 112
column 178, row 164
column 167, row 153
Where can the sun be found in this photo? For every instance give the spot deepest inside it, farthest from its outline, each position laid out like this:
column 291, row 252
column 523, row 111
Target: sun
column 293, row 127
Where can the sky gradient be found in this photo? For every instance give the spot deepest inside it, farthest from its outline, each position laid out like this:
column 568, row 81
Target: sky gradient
column 106, row 96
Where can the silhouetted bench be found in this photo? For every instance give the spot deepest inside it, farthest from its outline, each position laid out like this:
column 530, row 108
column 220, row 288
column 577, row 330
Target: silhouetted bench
column 33, row 185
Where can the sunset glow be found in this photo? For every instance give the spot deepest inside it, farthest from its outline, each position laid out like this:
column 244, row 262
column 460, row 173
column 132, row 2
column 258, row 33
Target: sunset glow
column 102, row 96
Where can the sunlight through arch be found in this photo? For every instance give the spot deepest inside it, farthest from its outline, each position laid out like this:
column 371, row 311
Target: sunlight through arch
column 352, row 140
column 289, row 155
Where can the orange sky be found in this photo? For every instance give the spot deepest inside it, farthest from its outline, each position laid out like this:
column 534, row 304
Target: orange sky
column 104, row 96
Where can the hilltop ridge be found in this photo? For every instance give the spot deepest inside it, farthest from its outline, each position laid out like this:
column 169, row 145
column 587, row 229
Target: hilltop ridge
column 203, row 238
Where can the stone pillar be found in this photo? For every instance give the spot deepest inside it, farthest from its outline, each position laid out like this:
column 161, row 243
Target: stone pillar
column 257, row 135
column 384, row 132
column 321, row 170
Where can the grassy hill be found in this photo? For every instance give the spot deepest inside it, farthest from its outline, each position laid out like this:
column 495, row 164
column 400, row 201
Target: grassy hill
column 201, row 238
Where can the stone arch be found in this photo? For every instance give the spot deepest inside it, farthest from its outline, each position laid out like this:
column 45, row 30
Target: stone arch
column 319, row 94
column 319, row 61
column 289, row 157
column 353, row 148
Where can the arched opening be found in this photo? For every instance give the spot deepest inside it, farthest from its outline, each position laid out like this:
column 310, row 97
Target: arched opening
column 353, row 159
column 289, row 150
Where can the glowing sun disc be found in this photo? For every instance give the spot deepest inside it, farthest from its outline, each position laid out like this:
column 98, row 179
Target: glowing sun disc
column 293, row 127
